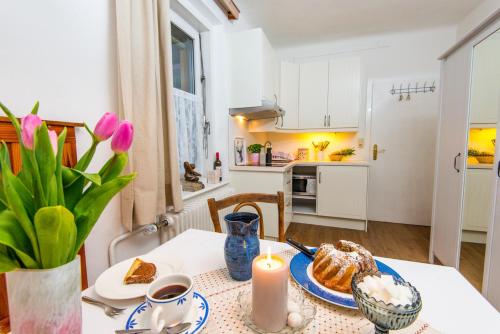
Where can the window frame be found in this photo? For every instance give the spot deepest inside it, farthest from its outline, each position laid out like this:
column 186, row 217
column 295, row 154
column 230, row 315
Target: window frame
column 194, row 33
column 189, row 30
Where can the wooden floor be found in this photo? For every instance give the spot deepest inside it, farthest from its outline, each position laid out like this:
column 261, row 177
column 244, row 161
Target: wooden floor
column 472, row 262
column 397, row 241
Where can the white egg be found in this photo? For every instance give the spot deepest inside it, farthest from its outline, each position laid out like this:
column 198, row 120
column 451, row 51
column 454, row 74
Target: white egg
column 293, row 307
column 294, row 319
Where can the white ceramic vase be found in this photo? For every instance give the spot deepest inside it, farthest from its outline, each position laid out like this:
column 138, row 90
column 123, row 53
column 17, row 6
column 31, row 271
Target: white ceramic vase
column 46, row 301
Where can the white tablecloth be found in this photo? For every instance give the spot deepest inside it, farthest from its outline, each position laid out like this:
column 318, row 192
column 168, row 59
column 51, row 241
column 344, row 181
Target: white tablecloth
column 450, row 303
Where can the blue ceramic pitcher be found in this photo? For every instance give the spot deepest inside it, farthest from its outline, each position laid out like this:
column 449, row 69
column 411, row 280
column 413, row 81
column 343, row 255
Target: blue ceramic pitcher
column 242, row 244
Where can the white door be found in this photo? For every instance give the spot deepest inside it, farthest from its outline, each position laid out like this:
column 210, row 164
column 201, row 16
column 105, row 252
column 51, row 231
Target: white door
column 344, row 92
column 342, row 191
column 450, row 158
column 289, row 95
column 401, row 176
column 313, row 95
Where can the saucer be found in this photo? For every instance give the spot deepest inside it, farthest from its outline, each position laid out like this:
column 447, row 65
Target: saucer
column 198, row 315
column 110, row 284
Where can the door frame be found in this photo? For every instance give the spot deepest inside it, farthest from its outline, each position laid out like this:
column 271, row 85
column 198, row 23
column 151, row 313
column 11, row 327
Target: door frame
column 469, row 45
column 491, row 29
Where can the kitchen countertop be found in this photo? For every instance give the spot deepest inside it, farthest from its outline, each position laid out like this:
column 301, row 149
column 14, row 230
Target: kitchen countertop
column 479, row 166
column 281, row 169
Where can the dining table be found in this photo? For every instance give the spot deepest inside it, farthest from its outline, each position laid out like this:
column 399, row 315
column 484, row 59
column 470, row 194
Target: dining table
column 450, row 303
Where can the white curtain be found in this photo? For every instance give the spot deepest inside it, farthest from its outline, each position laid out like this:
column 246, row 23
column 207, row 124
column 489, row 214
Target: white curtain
column 189, row 117
column 145, row 89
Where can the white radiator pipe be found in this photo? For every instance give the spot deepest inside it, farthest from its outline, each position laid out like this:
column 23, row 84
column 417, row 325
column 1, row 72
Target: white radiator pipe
column 163, row 220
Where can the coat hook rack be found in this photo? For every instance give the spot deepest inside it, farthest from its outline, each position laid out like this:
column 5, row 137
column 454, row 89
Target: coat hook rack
column 412, row 90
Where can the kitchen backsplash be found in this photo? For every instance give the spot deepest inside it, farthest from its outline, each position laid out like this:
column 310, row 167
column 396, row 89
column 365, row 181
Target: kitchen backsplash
column 290, row 142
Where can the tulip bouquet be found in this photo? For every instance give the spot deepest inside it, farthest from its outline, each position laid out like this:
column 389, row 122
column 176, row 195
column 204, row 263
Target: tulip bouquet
column 47, row 210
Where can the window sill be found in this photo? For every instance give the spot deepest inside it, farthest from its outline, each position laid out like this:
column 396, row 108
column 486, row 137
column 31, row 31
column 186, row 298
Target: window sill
column 186, row 195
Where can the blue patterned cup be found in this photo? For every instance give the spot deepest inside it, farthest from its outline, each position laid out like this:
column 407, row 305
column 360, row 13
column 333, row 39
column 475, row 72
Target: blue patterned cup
column 242, row 244
column 171, row 310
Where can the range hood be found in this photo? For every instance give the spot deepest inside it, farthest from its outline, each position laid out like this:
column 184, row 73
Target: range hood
column 268, row 109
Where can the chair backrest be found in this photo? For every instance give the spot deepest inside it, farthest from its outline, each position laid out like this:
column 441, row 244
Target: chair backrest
column 250, row 199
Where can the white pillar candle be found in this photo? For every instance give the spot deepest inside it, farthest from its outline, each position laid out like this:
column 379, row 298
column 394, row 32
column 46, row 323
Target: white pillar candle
column 269, row 292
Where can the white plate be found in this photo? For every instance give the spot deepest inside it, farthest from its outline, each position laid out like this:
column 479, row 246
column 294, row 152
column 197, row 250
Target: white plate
column 198, row 315
column 110, row 283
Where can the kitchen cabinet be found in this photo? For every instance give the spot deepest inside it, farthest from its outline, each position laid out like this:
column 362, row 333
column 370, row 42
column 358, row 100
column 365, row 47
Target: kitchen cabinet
column 289, row 95
column 313, row 95
column 253, row 69
column 270, row 182
column 344, row 84
column 341, row 191
column 478, row 199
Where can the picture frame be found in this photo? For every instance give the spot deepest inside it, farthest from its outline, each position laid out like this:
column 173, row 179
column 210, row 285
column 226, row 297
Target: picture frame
column 240, row 156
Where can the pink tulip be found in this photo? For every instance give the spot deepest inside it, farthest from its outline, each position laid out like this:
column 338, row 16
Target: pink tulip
column 106, row 126
column 29, row 124
column 53, row 140
column 122, row 139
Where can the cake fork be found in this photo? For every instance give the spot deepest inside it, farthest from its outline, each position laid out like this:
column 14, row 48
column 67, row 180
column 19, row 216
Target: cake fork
column 110, row 311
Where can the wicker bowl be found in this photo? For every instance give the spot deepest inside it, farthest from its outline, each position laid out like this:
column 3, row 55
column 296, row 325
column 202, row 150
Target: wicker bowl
column 336, row 157
column 485, row 159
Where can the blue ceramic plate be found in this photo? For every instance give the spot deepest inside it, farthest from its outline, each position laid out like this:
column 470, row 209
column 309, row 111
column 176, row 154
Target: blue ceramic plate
column 301, row 270
column 198, row 316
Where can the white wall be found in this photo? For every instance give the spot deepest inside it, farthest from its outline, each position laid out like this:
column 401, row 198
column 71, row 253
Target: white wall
column 478, row 15
column 63, row 54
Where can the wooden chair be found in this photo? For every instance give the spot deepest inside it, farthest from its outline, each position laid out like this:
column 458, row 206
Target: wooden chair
column 250, row 199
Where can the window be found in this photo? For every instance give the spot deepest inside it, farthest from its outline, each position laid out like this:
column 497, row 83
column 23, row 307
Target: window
column 187, row 100
column 183, row 60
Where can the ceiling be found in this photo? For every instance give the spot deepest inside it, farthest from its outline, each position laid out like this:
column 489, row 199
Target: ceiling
column 292, row 22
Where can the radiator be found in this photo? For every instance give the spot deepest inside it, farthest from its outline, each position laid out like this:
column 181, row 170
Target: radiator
column 196, row 214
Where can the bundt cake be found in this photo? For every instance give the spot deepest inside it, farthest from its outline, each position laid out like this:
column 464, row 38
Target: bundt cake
column 334, row 266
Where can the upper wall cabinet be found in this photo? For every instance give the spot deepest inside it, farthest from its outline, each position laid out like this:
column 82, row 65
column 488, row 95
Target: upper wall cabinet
column 253, row 69
column 289, row 95
column 344, row 93
column 321, row 95
column 313, row 95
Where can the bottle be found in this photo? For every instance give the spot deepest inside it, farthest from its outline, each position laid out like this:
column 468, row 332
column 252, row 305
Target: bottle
column 218, row 166
column 269, row 157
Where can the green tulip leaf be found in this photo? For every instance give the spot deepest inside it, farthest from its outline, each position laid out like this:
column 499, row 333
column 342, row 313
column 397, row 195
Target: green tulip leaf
column 7, row 263
column 59, row 179
column 56, row 231
column 34, row 111
column 16, row 195
column 45, row 158
column 111, row 169
column 13, row 120
column 12, row 235
column 91, row 205
column 73, row 193
column 92, row 177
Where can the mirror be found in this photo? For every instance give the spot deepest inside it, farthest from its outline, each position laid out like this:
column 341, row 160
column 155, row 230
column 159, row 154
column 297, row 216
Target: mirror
column 483, row 117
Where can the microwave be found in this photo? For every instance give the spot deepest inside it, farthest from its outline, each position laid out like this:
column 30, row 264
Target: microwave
column 304, row 184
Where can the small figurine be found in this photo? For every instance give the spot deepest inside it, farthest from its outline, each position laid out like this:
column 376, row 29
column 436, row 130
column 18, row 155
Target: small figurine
column 191, row 180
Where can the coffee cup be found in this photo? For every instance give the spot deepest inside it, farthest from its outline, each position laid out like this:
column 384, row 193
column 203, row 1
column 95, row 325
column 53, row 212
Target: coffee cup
column 170, row 298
